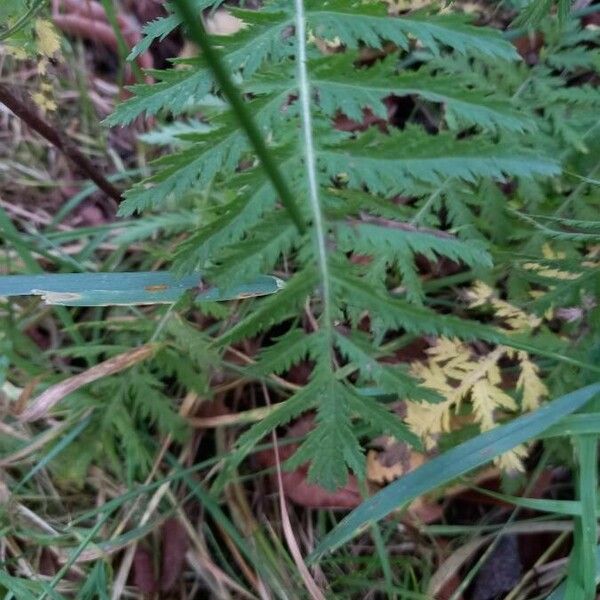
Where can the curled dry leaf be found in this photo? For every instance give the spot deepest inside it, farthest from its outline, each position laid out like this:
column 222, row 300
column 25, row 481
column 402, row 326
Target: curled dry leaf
column 47, row 564
column 529, row 47
column 345, row 123
column 394, row 460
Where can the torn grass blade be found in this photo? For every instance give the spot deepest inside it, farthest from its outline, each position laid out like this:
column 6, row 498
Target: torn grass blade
column 107, row 289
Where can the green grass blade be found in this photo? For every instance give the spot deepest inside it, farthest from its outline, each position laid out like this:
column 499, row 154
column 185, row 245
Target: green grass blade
column 95, row 585
column 574, row 425
column 560, row 593
column 71, row 560
column 559, row 507
column 582, row 566
column 211, row 505
column 458, row 461
column 16, row 585
column 107, row 289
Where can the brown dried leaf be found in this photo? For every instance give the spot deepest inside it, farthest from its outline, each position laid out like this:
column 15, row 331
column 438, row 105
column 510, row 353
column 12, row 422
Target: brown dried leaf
column 297, row 488
column 143, row 571
column 391, row 461
column 174, row 547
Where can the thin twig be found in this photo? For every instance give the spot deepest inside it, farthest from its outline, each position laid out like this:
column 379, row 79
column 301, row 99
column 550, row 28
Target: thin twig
column 29, row 115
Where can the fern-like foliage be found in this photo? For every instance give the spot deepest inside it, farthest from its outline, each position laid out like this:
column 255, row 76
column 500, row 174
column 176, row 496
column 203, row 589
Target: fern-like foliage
column 536, row 10
column 381, row 201
column 132, row 407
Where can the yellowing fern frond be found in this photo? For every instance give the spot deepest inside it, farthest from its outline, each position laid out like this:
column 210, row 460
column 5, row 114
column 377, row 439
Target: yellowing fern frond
column 481, row 294
column 459, row 376
column 551, row 254
column 513, row 461
column 429, row 420
column 486, row 398
column 450, row 350
column 529, row 383
column 551, row 273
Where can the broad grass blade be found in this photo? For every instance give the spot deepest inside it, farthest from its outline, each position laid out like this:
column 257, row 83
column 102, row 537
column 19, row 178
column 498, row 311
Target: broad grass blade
column 108, row 289
column 560, row 593
column 452, row 464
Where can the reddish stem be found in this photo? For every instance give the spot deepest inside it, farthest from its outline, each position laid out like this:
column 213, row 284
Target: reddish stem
column 29, row 115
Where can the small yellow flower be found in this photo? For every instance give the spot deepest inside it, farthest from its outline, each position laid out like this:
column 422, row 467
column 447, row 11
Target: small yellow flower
column 44, row 102
column 48, row 40
column 16, row 52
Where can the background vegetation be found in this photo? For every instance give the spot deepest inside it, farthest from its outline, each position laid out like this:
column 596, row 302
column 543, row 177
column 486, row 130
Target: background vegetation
column 302, row 307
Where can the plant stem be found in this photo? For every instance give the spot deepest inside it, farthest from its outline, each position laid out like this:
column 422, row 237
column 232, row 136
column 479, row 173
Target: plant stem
column 30, row 116
column 31, row 12
column 198, row 35
column 311, row 163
